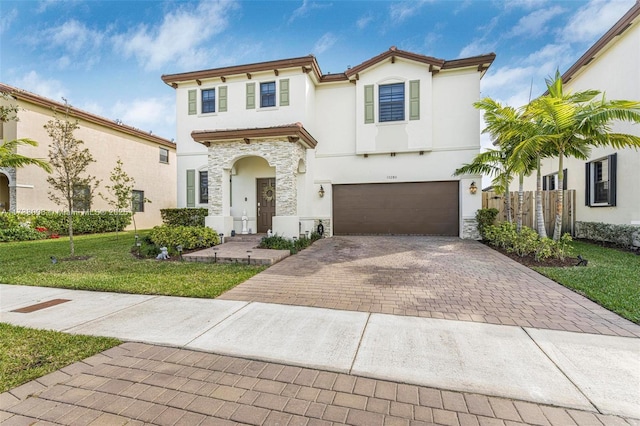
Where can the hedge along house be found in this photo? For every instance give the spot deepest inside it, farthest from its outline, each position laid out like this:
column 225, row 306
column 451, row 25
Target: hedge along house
column 607, row 184
column 148, row 158
column 368, row 151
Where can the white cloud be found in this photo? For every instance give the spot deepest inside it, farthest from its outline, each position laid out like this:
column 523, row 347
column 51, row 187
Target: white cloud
column 324, row 43
column 477, row 47
column 594, row 19
column 364, row 21
column 149, row 114
column 535, row 24
column 39, row 85
column 182, row 38
column 521, row 4
column 404, row 10
column 7, row 19
column 306, row 7
column 43, row 5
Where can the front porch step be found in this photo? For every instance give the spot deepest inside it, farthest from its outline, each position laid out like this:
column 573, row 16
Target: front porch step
column 246, row 238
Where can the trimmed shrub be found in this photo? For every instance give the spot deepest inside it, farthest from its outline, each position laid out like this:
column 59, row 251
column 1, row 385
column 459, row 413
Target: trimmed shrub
column 485, row 217
column 527, row 242
column 276, row 242
column 184, row 216
column 621, row 235
column 92, row 222
column 21, row 233
column 189, row 237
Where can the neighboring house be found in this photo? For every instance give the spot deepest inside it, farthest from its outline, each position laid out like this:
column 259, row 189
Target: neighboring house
column 149, row 159
column 607, row 184
column 368, row 151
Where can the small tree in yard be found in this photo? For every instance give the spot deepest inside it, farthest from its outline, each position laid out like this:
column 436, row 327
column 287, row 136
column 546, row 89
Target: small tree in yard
column 70, row 183
column 121, row 193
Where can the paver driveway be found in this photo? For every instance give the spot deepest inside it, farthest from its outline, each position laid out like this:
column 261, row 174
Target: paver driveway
column 433, row 277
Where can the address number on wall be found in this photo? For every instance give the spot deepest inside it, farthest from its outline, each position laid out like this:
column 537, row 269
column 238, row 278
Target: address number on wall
column 392, row 177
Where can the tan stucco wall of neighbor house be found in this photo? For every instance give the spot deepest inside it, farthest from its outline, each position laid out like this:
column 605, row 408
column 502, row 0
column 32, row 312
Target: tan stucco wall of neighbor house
column 615, row 71
column 139, row 152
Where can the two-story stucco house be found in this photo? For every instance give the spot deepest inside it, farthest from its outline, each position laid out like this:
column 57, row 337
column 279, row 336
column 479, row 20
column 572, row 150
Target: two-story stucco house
column 147, row 158
column 608, row 183
column 368, row 151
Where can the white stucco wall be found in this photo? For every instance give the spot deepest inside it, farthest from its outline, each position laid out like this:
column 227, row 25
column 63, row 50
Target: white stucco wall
column 616, row 73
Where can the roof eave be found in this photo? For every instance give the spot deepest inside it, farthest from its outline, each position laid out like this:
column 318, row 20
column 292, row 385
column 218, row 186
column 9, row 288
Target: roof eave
column 294, row 133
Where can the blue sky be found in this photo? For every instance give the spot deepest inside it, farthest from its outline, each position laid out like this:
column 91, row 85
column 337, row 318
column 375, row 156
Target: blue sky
column 107, row 57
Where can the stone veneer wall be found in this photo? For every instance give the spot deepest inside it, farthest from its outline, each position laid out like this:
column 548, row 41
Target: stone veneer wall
column 281, row 154
column 10, row 172
column 470, row 229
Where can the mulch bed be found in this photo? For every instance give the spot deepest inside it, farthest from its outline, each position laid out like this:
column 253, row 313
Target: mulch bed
column 530, row 261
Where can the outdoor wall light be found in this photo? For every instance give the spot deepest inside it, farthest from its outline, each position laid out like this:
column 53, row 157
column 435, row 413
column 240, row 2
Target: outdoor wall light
column 321, row 192
column 473, row 188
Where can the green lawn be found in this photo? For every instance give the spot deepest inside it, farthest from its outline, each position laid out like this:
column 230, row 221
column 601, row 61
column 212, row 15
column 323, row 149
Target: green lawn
column 26, row 354
column 111, row 267
column 611, row 279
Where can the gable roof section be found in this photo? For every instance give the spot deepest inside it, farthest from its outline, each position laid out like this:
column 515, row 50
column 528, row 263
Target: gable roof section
column 309, row 64
column 294, row 132
column 34, row 99
column 629, row 18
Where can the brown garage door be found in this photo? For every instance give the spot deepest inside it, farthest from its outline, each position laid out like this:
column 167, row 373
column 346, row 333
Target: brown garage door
column 423, row 208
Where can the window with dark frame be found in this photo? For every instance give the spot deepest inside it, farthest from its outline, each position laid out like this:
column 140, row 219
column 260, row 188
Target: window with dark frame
column 164, row 155
column 268, row 94
column 81, row 198
column 208, row 101
column 600, row 184
column 391, row 102
column 204, row 187
column 137, row 201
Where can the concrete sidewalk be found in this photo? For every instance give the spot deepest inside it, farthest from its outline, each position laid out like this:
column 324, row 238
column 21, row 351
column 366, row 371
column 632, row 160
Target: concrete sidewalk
column 596, row 373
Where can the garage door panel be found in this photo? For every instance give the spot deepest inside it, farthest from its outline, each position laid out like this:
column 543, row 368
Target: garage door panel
column 429, row 208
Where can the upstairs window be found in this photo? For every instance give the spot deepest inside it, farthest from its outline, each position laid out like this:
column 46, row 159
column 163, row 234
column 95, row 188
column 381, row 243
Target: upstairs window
column 268, row 94
column 391, row 102
column 550, row 182
column 601, row 182
column 164, row 155
column 208, row 101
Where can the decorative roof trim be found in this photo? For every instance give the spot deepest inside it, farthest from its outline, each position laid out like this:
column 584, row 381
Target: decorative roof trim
column 309, row 63
column 293, row 132
column 34, row 99
column 305, row 62
column 618, row 29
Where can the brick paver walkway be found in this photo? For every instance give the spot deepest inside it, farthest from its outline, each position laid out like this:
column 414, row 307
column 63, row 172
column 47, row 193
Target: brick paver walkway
column 428, row 277
column 139, row 384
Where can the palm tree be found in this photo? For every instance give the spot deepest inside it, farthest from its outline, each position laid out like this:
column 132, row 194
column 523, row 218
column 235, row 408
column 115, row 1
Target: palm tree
column 507, row 128
column 10, row 158
column 569, row 124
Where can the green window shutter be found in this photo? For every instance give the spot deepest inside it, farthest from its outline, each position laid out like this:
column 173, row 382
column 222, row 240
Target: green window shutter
column 284, row 92
column 414, row 100
column 251, row 95
column 368, row 104
column 222, row 99
column 191, row 188
column 192, row 102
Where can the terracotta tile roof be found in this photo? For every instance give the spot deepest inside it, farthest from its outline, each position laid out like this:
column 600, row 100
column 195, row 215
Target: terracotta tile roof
column 294, row 132
column 34, row 99
column 309, row 64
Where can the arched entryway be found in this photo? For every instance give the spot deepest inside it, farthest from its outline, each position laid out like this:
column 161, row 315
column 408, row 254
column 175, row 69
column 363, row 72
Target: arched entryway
column 253, row 194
